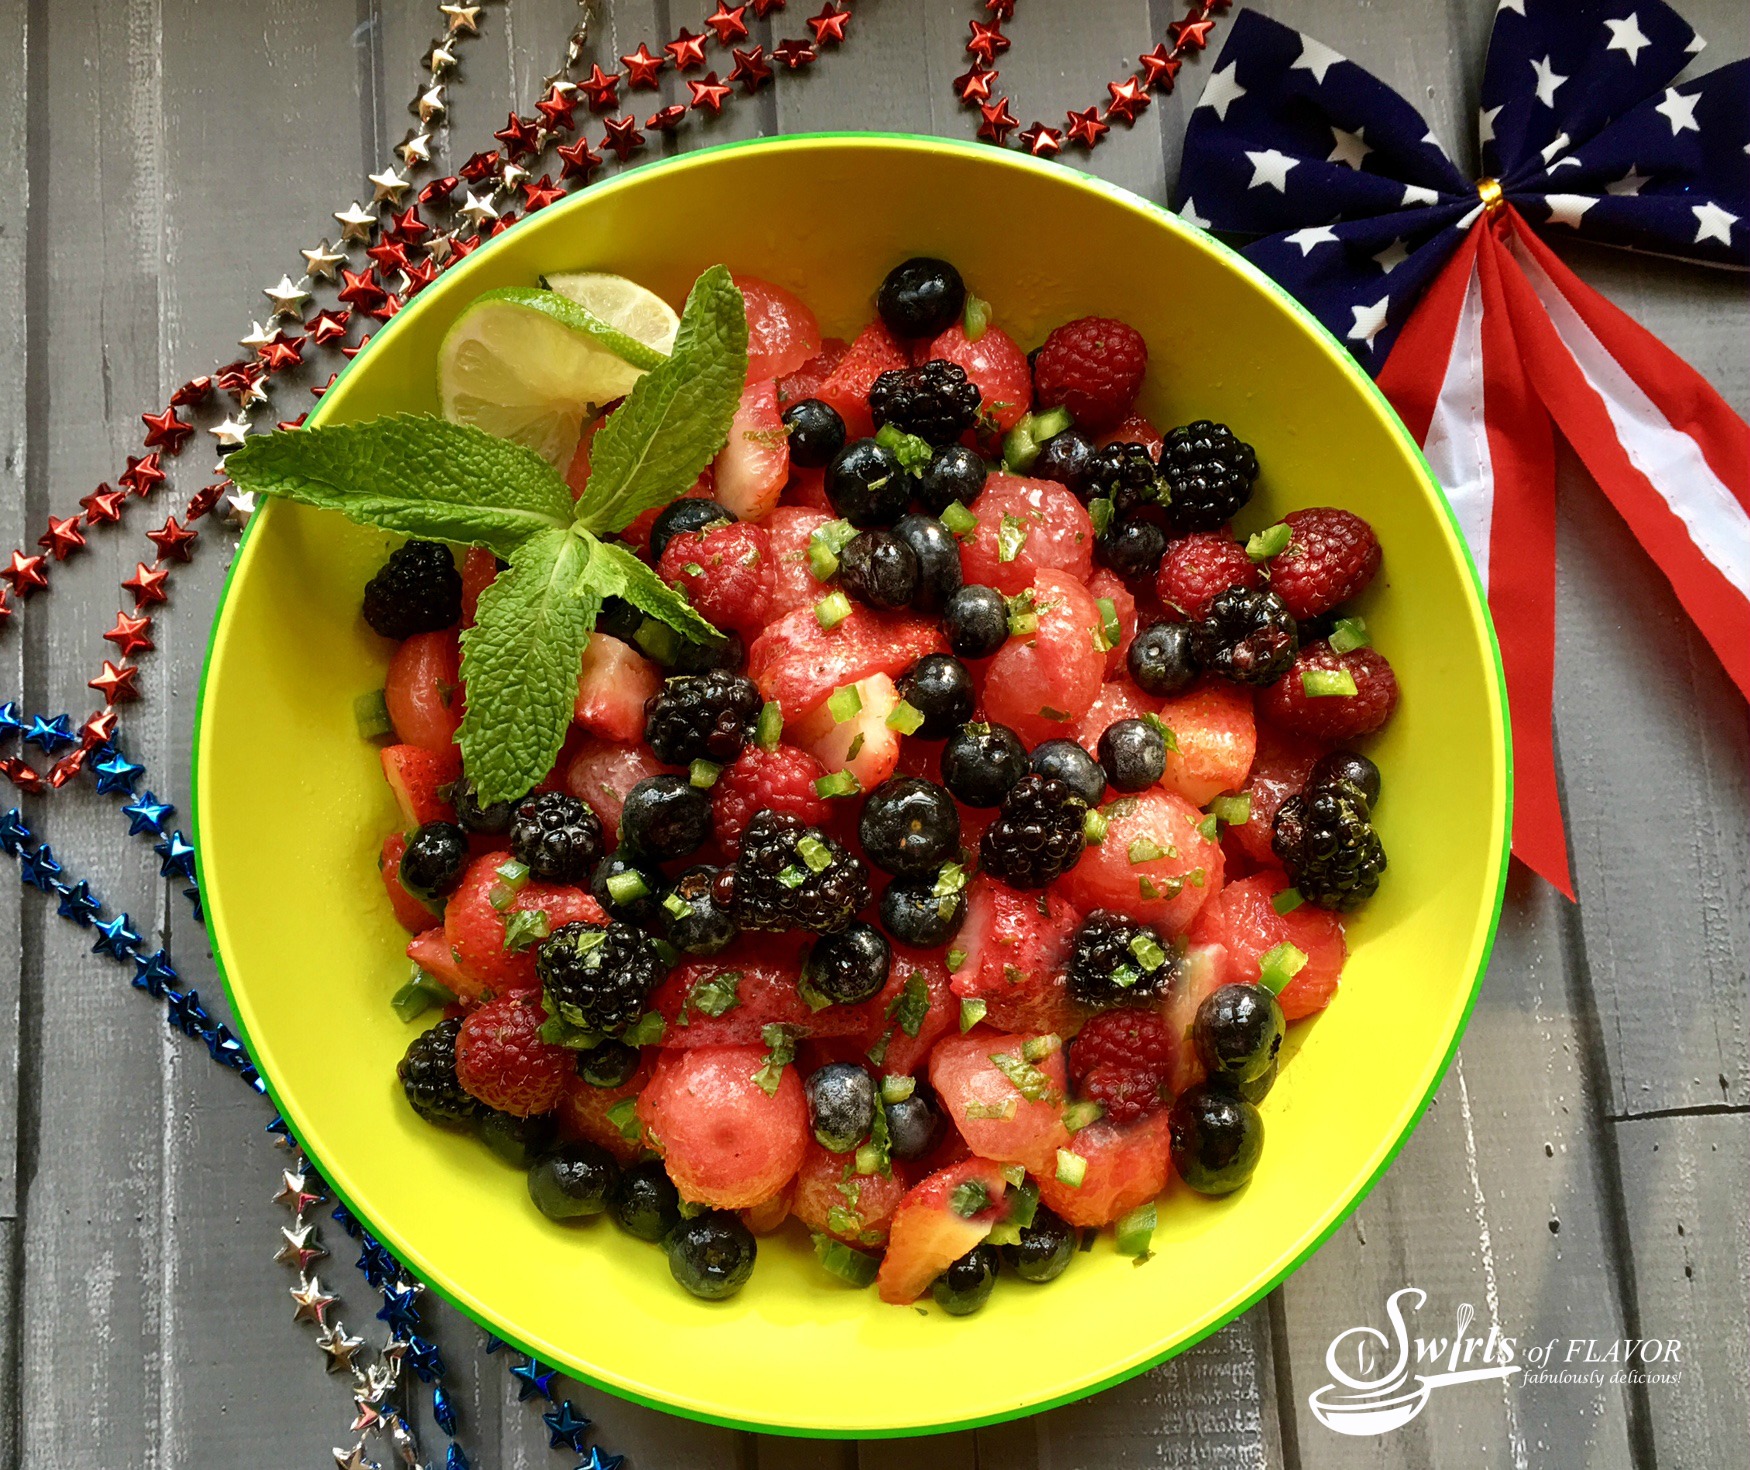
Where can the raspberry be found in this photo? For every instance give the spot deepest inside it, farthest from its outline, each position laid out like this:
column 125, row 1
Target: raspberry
column 502, row 1061
column 418, row 590
column 1246, row 636
column 1209, row 472
column 1114, row 961
column 701, row 717
column 1038, row 835
column 780, row 780
column 936, row 401
column 428, row 1077
column 1093, row 366
column 1331, row 556
column 1122, row 1059
column 1197, row 567
column 1332, row 718
column 725, row 571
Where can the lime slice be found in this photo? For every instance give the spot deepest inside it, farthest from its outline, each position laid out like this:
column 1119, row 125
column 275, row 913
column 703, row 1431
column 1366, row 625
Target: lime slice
column 624, row 305
column 528, row 365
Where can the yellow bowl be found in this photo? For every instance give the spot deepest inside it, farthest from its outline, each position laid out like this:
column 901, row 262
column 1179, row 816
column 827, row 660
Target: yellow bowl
column 291, row 807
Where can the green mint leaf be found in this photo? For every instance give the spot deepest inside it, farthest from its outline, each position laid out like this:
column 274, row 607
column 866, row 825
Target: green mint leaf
column 520, row 662
column 414, row 473
column 615, row 572
column 677, row 415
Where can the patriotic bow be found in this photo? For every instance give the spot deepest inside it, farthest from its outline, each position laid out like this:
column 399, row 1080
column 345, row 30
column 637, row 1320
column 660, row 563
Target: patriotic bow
column 1479, row 335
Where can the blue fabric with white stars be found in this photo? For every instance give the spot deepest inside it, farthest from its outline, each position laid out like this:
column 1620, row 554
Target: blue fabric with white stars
column 1581, row 122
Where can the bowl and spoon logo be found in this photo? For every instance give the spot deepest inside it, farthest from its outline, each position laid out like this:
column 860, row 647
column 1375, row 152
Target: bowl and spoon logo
column 1371, row 1395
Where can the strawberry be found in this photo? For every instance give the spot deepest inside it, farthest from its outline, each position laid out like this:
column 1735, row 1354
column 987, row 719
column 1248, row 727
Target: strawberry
column 502, row 1061
column 1214, row 739
column 1042, row 683
column 475, row 928
column 412, row 915
column 583, row 1112
column 725, row 1140
column 479, row 569
column 419, row 779
column 1244, row 920
column 890, row 1015
column 1025, row 526
column 1015, row 945
column 423, row 690
column 1094, row 367
column 972, row 1084
column 612, row 686
column 431, row 951
column 1152, row 864
column 1127, row 1166
column 997, row 367
column 1279, row 771
column 601, row 772
column 847, row 387
column 833, row 1198
column 725, row 572
column 763, row 993
column 1197, row 567
column 782, row 334
column 1331, row 556
column 937, row 1222
column 806, row 380
column 1124, row 1059
column 1108, row 585
column 865, row 745
column 798, row 663
column 789, row 530
column 1334, row 719
column 751, row 468
column 779, row 780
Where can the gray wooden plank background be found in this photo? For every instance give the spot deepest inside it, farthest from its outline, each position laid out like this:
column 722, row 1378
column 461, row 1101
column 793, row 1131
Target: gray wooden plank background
column 1581, row 1175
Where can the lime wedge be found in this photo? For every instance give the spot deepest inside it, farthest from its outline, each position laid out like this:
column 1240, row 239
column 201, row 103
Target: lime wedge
column 528, row 365
column 624, row 305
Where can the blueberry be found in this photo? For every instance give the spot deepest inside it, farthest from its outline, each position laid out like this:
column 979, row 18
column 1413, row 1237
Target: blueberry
column 1256, row 1090
column 817, row 433
column 938, row 555
column 850, row 966
column 1066, row 761
column 1064, row 457
column 1216, row 1139
column 1133, row 753
column 913, row 1124
column 1132, row 546
column 976, row 621
column 645, row 1202
column 967, row 1284
column 841, row 1105
column 630, row 889
column 665, row 817
column 954, row 473
column 921, row 298
column 684, row 515
column 711, row 1255
column 619, row 619
column 573, row 1181
column 1160, row 658
column 494, row 819
column 915, row 914
column 1238, row 1030
column 981, row 762
column 866, row 485
column 518, row 1141
column 1340, row 766
column 879, row 569
column 1045, row 1248
column 909, row 826
column 608, row 1064
column 697, row 924
column 938, row 687
column 432, row 865
column 729, row 652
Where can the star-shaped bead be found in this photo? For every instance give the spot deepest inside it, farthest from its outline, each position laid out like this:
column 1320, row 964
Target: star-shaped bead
column 461, row 20
column 326, row 325
column 533, row 1379
column 400, row 1307
column 50, row 735
column 973, row 86
column 13, row 832
column 622, row 137
column 414, row 150
column 115, row 772
column 407, row 228
column 558, row 108
column 480, row 166
column 103, row 506
column 1713, row 223
column 477, row 209
column 998, row 122
column 1190, row 35
column 165, row 430
column 387, row 185
column 25, row 573
column 643, row 69
column 666, row 119
column 432, row 107
column 287, row 299
column 577, row 160
column 751, row 69
column 142, row 476
column 709, row 95
column 352, row 1459
column 686, row 50
column 239, row 509
column 1130, row 99
column 987, row 42
column 147, row 814
column 78, row 905
column 1159, row 68
column 728, row 25
column 152, row 972
column 565, row 1428
column 129, row 634
column 117, row 938
column 99, row 729
column 829, row 25
column 337, row 1347
column 518, row 135
column 361, row 288
column 63, row 537
column 1087, row 128
column 438, row 191
column 185, row 1012
column 321, row 262
column 178, row 857
column 298, row 1248
column 231, row 431
column 602, row 88
column 1222, row 90
column 37, row 866
column 598, row 1461
column 1041, row 141
column 294, row 1191
column 539, row 193
column 794, row 52
column 11, row 721
column 356, row 222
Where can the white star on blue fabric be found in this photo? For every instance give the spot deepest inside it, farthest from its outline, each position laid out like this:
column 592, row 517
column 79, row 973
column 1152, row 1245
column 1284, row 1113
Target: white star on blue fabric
column 1369, row 321
column 1190, row 215
column 1713, row 223
column 1317, row 58
column 1271, row 167
column 1679, row 111
column 1394, row 255
column 1311, row 236
column 1349, row 148
column 1416, row 194
column 1626, row 35
column 1486, row 124
column 1222, row 90
column 1548, row 79
column 1568, row 209
column 1629, row 183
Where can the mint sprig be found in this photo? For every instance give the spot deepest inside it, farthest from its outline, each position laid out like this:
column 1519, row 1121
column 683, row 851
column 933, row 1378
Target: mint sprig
column 423, row 476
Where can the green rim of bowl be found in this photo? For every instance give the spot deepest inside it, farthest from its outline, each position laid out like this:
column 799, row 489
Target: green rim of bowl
column 1346, row 363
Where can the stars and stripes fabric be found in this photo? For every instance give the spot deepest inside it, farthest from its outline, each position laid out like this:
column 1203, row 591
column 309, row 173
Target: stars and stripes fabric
column 1446, row 289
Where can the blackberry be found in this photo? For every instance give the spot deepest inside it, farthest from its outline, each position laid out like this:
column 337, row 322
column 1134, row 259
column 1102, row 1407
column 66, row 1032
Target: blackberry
column 701, row 717
column 1132, row 546
column 1037, row 836
column 1115, row 961
column 557, row 836
column 1325, row 840
column 793, row 876
column 428, row 1077
column 848, row 967
column 1247, row 636
column 432, row 865
column 936, row 401
column 1209, row 475
column 1125, row 474
column 418, row 590
column 597, row 976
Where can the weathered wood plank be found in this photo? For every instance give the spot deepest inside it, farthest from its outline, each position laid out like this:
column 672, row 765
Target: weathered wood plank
column 1691, row 1248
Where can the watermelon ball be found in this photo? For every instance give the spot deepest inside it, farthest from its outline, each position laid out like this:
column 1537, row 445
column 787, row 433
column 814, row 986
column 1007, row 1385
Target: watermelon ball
column 1238, row 1031
column 645, row 1202
column 1216, row 1138
column 841, row 1106
column 1044, row 1250
column 574, row 1181
column 913, row 1123
column 967, row 1284
column 711, row 1255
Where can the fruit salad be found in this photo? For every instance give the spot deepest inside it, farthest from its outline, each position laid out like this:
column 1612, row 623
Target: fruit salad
column 916, row 828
